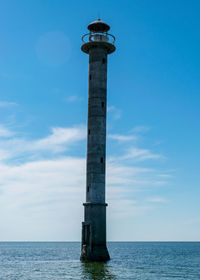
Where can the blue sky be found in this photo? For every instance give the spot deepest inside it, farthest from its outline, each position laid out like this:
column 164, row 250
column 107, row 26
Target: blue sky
column 153, row 133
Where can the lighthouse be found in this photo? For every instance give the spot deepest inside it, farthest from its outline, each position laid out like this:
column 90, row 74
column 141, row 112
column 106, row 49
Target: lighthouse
column 98, row 43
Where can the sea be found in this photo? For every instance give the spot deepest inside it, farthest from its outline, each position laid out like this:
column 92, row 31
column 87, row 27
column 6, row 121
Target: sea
column 129, row 260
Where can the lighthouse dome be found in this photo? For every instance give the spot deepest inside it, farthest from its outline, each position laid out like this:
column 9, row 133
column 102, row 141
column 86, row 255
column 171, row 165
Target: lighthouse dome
column 98, row 26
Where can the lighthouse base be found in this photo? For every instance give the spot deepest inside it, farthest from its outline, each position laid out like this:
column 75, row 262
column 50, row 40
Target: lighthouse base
column 94, row 233
column 96, row 253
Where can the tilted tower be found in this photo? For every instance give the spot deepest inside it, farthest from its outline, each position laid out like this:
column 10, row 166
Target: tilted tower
column 98, row 44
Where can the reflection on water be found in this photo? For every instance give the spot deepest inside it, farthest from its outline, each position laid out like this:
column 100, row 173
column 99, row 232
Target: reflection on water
column 97, row 271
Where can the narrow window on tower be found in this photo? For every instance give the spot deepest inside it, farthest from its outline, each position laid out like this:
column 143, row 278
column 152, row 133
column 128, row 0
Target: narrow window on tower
column 90, row 77
column 101, row 160
column 102, row 104
column 103, row 61
column 88, row 131
column 88, row 188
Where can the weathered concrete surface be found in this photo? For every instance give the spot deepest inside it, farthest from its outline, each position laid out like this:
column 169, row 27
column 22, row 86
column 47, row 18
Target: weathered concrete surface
column 94, row 233
column 94, row 225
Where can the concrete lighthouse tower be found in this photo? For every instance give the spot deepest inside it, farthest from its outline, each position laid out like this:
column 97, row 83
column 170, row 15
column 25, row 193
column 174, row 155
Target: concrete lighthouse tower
column 98, row 44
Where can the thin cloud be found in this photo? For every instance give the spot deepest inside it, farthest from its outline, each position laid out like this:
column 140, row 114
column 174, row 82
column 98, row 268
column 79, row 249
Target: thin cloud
column 46, row 192
column 156, row 200
column 36, row 192
column 140, row 154
column 122, row 138
column 114, row 112
column 5, row 132
column 58, row 141
column 59, row 138
column 4, row 104
column 140, row 129
column 73, row 98
column 165, row 175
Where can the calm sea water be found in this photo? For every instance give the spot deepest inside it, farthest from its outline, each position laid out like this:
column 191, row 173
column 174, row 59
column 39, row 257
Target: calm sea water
column 129, row 260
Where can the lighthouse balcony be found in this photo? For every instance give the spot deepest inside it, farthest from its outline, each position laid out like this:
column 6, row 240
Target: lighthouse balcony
column 98, row 37
column 101, row 39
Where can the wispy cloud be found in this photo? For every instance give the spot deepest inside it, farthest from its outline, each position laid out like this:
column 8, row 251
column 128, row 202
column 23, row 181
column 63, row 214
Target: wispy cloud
column 42, row 190
column 60, row 138
column 122, row 138
column 115, row 112
column 140, row 129
column 35, row 193
column 7, row 104
column 73, row 98
column 156, row 200
column 165, row 175
column 126, row 208
column 43, row 193
column 5, row 132
column 58, row 141
column 140, row 154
